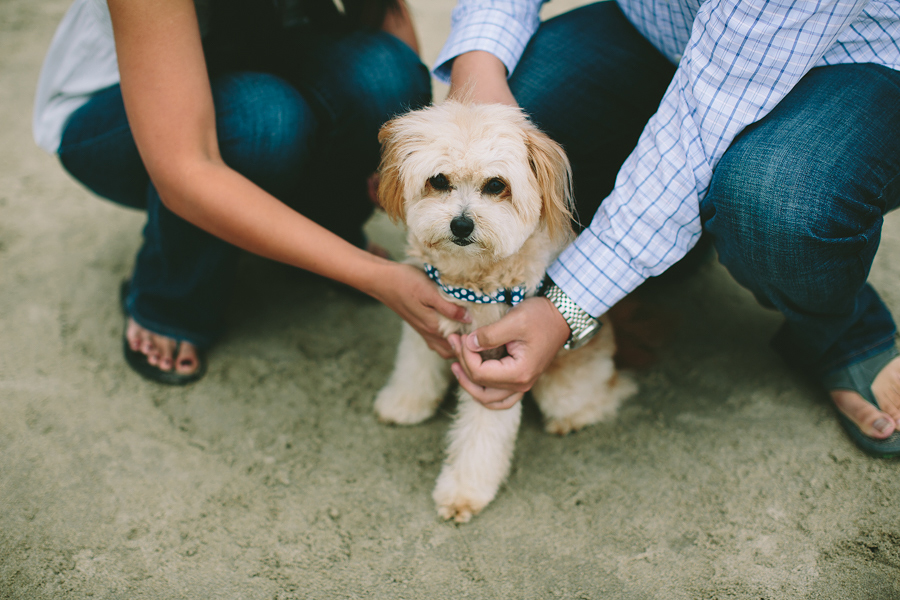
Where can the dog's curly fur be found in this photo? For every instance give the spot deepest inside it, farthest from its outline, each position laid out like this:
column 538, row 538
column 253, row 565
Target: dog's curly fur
column 489, row 166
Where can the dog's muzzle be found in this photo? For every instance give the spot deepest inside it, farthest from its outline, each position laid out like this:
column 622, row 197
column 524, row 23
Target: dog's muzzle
column 462, row 227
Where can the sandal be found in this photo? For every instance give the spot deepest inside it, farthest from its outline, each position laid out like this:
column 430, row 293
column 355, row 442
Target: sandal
column 858, row 378
column 138, row 360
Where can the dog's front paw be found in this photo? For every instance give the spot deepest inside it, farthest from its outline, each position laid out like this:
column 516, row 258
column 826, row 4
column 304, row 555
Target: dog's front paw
column 397, row 406
column 461, row 512
column 571, row 423
column 571, row 415
column 456, row 501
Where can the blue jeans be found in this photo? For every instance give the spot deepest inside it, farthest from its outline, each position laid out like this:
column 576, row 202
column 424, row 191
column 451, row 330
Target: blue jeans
column 796, row 204
column 305, row 131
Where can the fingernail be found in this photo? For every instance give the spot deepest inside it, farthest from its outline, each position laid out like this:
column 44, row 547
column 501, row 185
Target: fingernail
column 882, row 425
column 454, row 368
column 467, row 318
column 473, row 343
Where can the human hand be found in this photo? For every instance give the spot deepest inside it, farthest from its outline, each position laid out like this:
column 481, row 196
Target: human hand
column 410, row 294
column 533, row 333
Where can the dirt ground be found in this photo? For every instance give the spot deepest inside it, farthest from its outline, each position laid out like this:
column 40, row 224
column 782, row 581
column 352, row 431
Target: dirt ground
column 727, row 476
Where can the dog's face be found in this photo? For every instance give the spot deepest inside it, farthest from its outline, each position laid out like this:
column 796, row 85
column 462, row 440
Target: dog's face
column 473, row 179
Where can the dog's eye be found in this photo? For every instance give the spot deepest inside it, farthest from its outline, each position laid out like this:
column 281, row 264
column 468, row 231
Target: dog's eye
column 494, row 187
column 439, row 182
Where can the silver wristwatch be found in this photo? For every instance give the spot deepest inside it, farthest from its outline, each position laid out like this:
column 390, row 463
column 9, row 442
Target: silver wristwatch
column 582, row 325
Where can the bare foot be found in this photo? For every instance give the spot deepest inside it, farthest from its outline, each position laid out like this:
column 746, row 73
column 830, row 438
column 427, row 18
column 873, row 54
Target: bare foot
column 159, row 350
column 877, row 424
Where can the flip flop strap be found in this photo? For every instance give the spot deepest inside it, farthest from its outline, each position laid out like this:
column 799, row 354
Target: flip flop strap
column 858, row 377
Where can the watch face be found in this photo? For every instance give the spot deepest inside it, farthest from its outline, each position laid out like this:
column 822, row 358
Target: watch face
column 580, row 338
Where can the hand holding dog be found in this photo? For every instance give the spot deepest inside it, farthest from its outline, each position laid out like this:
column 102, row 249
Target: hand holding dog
column 414, row 297
column 533, row 333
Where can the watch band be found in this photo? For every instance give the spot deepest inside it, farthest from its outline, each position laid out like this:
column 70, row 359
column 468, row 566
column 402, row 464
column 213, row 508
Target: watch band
column 582, row 325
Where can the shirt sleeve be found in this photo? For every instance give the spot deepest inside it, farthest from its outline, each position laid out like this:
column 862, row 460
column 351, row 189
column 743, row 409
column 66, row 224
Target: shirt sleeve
column 742, row 58
column 501, row 27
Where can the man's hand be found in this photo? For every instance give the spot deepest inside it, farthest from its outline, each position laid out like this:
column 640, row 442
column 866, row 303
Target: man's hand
column 533, row 333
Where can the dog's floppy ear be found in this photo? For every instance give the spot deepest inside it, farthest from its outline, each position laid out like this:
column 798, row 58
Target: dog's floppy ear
column 390, row 186
column 554, row 177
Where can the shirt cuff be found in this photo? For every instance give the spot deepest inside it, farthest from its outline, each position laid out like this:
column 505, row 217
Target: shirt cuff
column 490, row 30
column 593, row 274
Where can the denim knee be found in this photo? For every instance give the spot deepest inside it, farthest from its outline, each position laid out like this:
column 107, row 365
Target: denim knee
column 381, row 76
column 786, row 223
column 594, row 54
column 98, row 149
column 265, row 128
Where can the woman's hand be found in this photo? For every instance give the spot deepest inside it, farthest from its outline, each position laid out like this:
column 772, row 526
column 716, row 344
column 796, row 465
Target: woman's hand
column 408, row 292
column 533, row 333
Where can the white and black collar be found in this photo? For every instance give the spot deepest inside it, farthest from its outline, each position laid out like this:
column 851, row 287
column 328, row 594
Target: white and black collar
column 510, row 296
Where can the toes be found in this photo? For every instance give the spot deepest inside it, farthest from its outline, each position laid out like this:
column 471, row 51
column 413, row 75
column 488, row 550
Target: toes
column 147, row 348
column 187, row 361
column 871, row 421
column 460, row 513
column 158, row 349
column 886, row 388
column 163, row 349
column 135, row 335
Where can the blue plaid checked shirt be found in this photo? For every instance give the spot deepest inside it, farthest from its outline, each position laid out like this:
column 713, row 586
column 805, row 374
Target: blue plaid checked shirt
column 736, row 60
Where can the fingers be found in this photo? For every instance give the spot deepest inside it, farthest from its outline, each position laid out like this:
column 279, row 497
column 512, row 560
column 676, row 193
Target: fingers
column 504, row 374
column 448, row 309
column 492, row 398
column 494, row 335
column 453, row 311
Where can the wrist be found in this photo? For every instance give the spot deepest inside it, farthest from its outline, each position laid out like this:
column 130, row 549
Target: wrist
column 556, row 324
column 582, row 326
column 480, row 77
column 374, row 276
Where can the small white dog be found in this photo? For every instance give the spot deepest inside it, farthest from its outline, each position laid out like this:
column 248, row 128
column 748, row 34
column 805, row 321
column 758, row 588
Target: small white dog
column 487, row 199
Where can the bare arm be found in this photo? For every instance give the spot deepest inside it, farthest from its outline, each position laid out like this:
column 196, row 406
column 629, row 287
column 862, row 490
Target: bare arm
column 481, row 77
column 169, row 103
column 398, row 23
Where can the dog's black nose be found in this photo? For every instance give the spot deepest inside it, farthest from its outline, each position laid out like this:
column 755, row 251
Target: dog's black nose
column 462, row 226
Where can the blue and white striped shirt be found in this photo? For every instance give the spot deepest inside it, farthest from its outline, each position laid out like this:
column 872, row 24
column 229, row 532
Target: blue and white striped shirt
column 736, row 60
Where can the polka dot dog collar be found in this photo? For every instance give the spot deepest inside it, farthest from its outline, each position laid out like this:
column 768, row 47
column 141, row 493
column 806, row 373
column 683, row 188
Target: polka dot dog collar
column 511, row 296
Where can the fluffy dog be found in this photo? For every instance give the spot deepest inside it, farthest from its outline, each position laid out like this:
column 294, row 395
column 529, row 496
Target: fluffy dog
column 487, row 200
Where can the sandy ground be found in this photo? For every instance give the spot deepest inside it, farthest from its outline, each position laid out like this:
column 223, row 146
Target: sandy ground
column 726, row 477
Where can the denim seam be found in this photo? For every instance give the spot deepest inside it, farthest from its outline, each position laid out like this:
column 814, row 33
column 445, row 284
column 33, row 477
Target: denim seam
column 884, row 189
column 849, row 359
